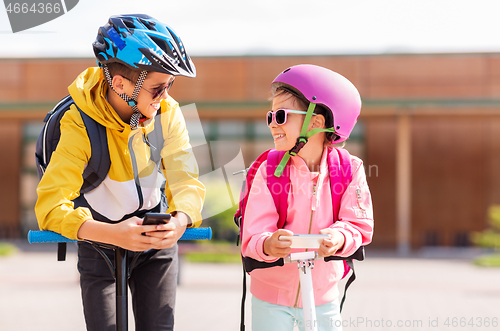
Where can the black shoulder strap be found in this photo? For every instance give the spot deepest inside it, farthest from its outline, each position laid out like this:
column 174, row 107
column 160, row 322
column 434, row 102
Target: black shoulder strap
column 351, row 279
column 98, row 167
column 359, row 255
column 243, row 299
column 51, row 132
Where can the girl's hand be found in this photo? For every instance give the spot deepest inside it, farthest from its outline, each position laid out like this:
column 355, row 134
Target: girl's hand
column 278, row 248
column 331, row 245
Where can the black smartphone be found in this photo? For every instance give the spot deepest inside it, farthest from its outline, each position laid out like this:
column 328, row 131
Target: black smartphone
column 156, row 218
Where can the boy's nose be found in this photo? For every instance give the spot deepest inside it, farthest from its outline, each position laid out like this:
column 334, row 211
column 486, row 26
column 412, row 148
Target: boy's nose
column 163, row 95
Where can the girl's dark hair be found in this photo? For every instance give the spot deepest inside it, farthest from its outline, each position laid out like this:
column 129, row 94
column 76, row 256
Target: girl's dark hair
column 304, row 104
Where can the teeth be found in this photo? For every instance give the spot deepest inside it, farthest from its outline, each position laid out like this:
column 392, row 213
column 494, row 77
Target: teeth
column 279, row 136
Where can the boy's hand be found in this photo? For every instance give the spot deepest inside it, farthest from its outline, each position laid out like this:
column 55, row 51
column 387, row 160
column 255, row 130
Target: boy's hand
column 168, row 234
column 331, row 245
column 278, row 248
column 128, row 234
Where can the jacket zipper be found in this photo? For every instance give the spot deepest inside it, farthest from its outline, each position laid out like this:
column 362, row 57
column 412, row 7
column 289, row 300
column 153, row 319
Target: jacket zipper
column 308, row 232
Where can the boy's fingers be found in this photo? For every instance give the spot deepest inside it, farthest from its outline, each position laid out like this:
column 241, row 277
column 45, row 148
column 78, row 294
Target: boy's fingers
column 166, row 227
column 147, row 228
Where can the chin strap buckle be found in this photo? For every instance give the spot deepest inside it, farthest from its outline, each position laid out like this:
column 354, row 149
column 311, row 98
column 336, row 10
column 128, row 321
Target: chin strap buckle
column 301, row 141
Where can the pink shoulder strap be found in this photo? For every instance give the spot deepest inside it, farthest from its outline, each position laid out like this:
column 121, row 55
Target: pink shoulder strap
column 339, row 165
column 278, row 186
column 245, row 190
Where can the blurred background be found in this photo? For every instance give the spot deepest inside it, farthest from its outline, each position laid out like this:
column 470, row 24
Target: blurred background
column 428, row 73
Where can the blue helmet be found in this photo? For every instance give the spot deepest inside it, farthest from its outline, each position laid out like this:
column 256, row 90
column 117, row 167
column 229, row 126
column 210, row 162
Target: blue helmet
column 142, row 42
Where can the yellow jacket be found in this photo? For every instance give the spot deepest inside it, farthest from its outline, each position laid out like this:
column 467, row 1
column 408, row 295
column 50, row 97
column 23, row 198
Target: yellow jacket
column 117, row 195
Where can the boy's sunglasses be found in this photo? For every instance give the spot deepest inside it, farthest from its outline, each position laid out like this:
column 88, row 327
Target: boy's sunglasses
column 280, row 115
column 157, row 92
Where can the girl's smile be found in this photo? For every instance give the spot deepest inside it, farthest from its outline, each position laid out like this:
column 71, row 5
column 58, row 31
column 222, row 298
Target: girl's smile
column 286, row 135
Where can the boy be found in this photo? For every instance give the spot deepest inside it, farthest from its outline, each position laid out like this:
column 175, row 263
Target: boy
column 138, row 58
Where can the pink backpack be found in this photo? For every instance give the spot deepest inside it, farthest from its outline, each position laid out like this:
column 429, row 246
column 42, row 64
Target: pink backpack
column 339, row 164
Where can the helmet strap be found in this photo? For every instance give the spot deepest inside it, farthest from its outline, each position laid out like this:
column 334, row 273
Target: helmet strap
column 131, row 101
column 301, row 140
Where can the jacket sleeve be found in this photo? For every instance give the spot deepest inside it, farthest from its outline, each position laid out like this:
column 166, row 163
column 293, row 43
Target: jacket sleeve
column 260, row 219
column 356, row 212
column 185, row 193
column 62, row 180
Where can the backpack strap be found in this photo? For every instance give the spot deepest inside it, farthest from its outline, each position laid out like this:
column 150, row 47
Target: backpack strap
column 278, row 186
column 45, row 144
column 98, row 167
column 339, row 166
column 245, row 190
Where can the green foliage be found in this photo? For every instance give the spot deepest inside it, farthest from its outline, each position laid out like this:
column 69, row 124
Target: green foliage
column 7, row 249
column 222, row 224
column 208, row 257
column 214, row 252
column 490, row 238
column 492, row 260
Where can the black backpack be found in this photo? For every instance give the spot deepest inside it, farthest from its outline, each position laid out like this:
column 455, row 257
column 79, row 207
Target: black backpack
column 99, row 162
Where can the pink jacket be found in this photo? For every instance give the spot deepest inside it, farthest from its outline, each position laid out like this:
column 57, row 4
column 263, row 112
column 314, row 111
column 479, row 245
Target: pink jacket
column 308, row 212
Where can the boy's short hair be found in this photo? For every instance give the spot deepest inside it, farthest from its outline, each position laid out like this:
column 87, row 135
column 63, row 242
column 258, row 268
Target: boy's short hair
column 116, row 68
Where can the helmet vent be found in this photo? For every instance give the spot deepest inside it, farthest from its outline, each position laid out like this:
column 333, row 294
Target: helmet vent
column 162, row 44
column 287, row 70
column 129, row 24
column 149, row 25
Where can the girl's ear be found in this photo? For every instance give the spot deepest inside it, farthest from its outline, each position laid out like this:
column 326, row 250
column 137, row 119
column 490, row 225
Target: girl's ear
column 318, row 122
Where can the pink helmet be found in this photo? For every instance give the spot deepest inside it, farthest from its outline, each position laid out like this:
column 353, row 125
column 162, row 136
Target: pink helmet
column 323, row 86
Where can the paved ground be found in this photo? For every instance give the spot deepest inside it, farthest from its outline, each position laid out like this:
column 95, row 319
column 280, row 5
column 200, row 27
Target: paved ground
column 39, row 293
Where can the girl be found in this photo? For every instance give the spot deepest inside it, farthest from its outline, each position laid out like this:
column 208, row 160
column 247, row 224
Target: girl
column 321, row 107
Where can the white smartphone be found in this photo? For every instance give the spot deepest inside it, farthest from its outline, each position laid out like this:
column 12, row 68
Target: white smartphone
column 305, row 240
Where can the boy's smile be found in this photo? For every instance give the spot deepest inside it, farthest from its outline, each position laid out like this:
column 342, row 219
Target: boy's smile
column 154, row 81
column 153, row 90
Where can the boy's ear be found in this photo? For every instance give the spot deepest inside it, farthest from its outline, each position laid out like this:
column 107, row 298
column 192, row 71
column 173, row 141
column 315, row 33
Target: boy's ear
column 318, row 122
column 118, row 84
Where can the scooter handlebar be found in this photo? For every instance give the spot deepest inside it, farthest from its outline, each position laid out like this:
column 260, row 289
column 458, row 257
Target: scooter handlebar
column 53, row 237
